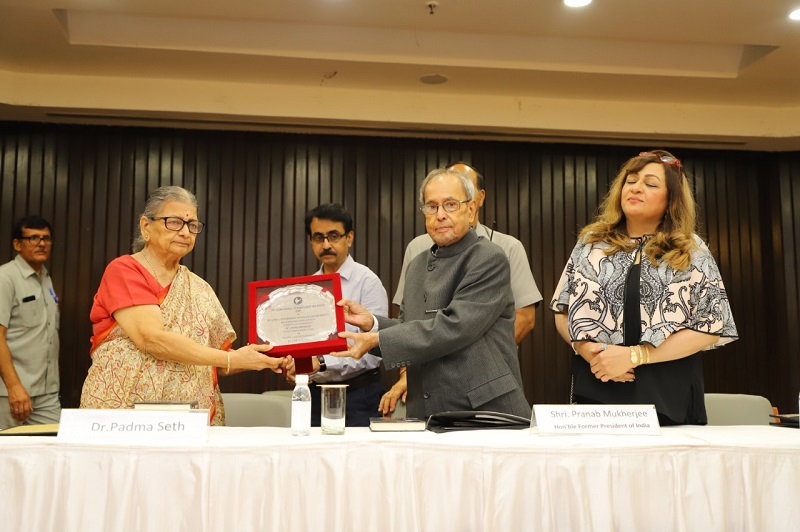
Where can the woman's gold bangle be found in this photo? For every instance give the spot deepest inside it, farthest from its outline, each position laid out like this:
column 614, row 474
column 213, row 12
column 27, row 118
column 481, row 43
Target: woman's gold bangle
column 640, row 354
column 228, row 369
column 635, row 358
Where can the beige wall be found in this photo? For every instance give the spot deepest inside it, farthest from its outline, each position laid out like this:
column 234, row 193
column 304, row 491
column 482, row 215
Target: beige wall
column 202, row 103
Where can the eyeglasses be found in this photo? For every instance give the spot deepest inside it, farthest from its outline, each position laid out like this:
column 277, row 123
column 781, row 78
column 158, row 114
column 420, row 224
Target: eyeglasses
column 448, row 206
column 173, row 223
column 332, row 237
column 666, row 159
column 35, row 239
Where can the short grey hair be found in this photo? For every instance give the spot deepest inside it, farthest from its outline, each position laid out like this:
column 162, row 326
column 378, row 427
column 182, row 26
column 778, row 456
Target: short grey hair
column 466, row 182
column 153, row 205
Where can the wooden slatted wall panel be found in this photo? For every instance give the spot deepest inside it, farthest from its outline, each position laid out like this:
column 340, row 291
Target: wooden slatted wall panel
column 728, row 189
column 254, row 189
column 784, row 309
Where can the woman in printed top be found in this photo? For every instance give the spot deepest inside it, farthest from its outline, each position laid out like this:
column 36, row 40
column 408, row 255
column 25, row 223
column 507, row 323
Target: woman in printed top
column 641, row 296
column 160, row 332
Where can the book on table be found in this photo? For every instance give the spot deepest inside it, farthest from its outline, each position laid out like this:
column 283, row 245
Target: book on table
column 50, row 429
column 166, row 405
column 388, row 424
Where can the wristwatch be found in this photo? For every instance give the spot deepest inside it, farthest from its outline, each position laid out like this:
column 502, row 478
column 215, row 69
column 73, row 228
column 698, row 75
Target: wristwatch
column 322, row 365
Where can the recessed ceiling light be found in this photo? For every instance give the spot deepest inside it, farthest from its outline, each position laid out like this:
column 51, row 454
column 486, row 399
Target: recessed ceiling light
column 577, row 3
column 434, row 79
column 795, row 15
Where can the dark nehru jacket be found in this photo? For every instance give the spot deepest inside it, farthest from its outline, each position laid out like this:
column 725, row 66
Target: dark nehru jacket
column 455, row 333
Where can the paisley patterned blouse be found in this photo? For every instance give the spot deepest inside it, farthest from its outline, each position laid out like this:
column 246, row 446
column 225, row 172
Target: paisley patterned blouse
column 592, row 293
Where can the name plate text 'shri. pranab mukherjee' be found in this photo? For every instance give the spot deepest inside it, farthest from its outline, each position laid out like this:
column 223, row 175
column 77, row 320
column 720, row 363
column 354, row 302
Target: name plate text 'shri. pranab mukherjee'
column 596, row 419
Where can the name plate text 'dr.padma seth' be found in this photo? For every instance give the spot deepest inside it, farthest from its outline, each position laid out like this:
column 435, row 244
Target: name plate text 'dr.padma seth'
column 133, row 426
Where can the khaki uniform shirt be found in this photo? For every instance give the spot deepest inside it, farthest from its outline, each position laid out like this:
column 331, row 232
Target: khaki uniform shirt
column 29, row 310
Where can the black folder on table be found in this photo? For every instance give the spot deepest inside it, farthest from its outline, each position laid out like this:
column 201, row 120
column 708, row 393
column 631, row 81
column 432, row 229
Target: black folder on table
column 789, row 421
column 475, row 420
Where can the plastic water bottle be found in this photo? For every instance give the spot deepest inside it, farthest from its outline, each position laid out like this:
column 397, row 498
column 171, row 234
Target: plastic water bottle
column 301, row 407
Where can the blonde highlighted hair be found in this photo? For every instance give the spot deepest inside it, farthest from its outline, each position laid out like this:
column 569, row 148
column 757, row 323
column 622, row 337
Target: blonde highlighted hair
column 673, row 241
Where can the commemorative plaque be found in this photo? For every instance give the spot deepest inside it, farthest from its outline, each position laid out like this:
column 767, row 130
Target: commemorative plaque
column 298, row 316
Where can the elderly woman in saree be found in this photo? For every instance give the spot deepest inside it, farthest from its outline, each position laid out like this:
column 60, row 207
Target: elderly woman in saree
column 160, row 333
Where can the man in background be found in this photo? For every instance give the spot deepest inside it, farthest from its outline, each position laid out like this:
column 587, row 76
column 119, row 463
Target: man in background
column 29, row 330
column 330, row 231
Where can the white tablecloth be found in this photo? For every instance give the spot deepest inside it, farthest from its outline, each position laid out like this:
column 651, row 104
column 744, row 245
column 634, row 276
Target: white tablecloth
column 688, row 478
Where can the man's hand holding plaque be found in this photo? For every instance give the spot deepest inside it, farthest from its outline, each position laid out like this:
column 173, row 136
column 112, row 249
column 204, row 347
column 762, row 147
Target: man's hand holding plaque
column 361, row 344
column 356, row 314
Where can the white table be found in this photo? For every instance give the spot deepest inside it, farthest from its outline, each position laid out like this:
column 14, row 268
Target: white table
column 688, row 478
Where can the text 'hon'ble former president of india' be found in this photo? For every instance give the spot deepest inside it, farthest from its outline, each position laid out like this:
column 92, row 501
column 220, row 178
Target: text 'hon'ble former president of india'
column 641, row 296
column 160, row 332
column 455, row 334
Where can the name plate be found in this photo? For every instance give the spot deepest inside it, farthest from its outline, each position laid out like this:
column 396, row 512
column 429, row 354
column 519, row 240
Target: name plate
column 133, row 426
column 597, row 419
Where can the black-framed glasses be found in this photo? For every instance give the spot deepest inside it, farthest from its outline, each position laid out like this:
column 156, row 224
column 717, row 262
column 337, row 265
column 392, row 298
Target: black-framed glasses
column 332, row 237
column 448, row 206
column 173, row 223
column 666, row 159
column 35, row 239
